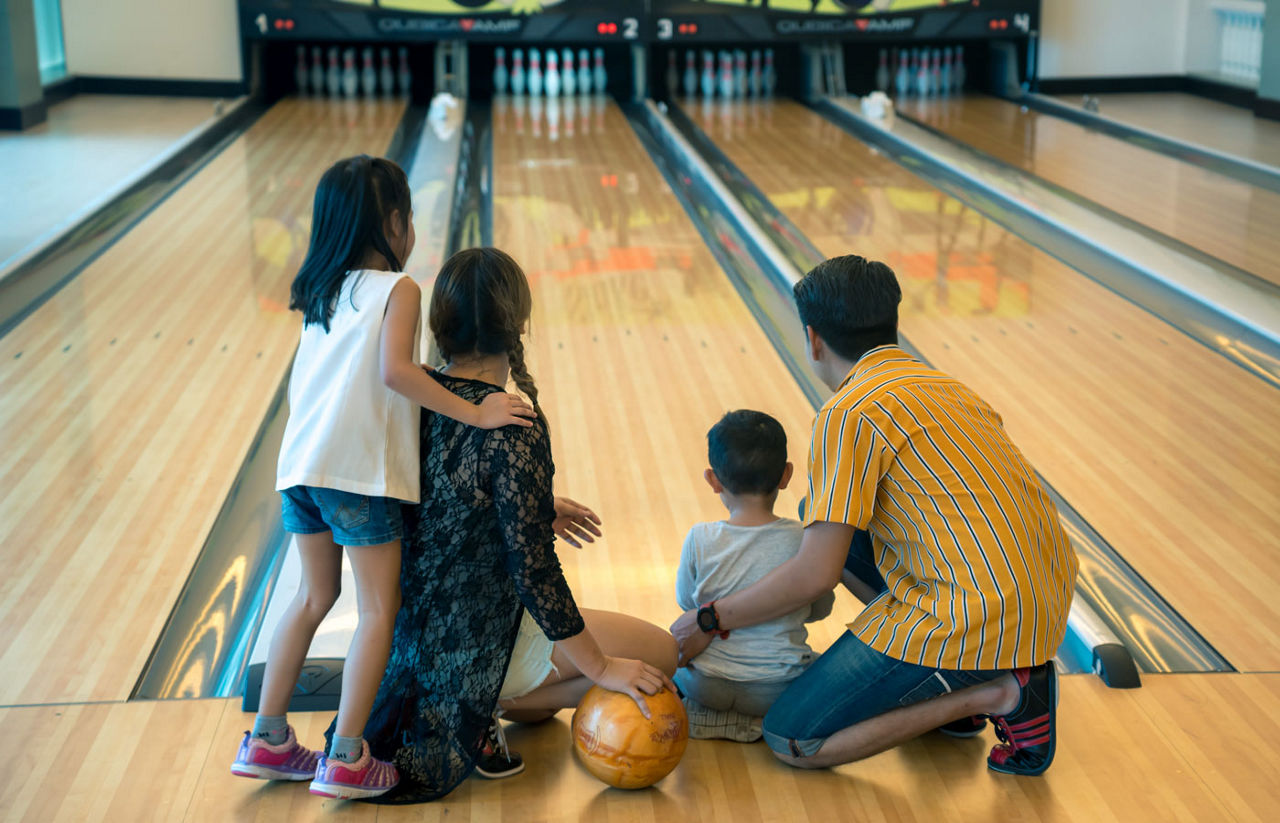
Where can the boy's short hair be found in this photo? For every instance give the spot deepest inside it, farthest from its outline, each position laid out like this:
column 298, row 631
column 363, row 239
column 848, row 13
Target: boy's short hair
column 748, row 452
column 852, row 303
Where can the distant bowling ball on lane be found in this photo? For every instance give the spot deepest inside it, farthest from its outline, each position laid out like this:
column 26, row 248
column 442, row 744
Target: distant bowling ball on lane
column 619, row 746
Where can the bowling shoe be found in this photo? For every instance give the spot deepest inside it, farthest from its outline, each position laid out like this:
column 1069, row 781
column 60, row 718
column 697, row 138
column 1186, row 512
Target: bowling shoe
column 286, row 761
column 496, row 759
column 365, row 778
column 965, row 727
column 1028, row 732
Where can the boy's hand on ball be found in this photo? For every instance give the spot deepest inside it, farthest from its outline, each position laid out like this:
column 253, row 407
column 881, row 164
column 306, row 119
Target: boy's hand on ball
column 575, row 522
column 634, row 677
column 502, row 409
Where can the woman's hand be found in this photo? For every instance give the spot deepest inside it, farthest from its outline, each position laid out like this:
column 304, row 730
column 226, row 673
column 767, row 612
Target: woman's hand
column 575, row 522
column 633, row 677
column 689, row 636
column 502, row 409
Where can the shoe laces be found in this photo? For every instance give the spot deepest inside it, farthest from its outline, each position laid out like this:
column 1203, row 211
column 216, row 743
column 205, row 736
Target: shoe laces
column 497, row 736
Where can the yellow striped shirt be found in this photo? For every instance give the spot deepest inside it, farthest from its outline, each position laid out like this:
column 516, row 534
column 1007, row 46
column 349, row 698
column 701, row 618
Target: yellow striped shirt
column 979, row 570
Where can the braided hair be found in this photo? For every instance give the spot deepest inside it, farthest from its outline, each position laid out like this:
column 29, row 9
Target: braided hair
column 480, row 305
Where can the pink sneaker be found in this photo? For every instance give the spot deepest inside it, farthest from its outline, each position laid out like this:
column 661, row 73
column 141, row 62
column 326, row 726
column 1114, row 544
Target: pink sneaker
column 367, row 777
column 287, row 761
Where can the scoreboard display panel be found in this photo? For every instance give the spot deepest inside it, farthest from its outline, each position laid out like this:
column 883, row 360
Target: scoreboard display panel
column 676, row 21
column 578, row 21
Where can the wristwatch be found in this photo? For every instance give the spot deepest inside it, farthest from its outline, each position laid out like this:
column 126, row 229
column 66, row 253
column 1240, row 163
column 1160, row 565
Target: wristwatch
column 709, row 620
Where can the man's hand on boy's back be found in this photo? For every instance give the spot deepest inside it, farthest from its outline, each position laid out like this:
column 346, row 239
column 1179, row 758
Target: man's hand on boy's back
column 575, row 522
column 691, row 639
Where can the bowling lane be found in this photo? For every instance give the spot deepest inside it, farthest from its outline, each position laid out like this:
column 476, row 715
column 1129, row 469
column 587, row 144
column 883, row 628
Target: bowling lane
column 1230, row 129
column 131, row 397
column 1168, row 450
column 639, row 343
column 1223, row 217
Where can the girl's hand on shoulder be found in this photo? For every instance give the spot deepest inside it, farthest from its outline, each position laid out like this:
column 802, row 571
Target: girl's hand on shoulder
column 633, row 677
column 502, row 409
column 575, row 522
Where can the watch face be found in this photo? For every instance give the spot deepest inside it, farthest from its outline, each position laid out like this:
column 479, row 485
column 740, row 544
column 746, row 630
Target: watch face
column 706, row 620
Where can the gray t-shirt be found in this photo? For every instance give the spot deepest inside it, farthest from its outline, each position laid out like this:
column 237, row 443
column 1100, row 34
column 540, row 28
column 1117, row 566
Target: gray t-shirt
column 719, row 559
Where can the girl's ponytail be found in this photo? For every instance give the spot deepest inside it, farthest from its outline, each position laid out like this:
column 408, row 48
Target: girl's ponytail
column 352, row 202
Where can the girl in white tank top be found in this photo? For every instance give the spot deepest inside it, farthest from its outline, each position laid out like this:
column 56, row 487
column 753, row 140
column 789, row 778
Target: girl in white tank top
column 349, row 457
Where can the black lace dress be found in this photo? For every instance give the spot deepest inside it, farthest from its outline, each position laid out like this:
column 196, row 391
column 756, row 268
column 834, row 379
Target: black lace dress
column 478, row 550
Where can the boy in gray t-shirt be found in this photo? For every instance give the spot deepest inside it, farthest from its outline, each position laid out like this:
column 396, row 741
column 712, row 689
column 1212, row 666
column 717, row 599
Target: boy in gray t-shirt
column 741, row 673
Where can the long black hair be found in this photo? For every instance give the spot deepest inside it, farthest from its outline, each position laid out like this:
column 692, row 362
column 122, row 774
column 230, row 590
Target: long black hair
column 351, row 206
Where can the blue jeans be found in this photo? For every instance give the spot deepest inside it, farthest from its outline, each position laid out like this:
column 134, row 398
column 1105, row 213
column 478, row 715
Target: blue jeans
column 752, row 697
column 852, row 682
column 354, row 519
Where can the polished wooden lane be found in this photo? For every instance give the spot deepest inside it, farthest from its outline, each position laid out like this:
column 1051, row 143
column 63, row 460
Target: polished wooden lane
column 1219, row 215
column 1184, row 747
column 639, row 344
column 1169, row 451
column 1230, row 129
column 132, row 396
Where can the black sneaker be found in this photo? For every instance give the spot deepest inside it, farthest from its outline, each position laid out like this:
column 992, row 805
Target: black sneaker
column 965, row 726
column 496, row 760
column 1028, row 732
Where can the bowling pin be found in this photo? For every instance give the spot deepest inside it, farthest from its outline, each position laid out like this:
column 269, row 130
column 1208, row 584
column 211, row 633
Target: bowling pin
column 957, row 71
column 552, row 78
column 903, row 79
column 740, row 73
column 584, row 72
column 770, row 74
column 500, row 70
column 333, row 81
column 882, row 72
column 754, row 78
column 368, row 74
column 517, row 72
column 317, row 70
column 935, row 77
column 350, row 79
column 690, row 74
column 535, row 75
column 300, row 72
column 945, row 87
column 922, row 73
column 708, row 75
column 387, row 75
column 598, row 75
column 726, row 75
column 673, row 75
column 404, row 76
column 568, row 78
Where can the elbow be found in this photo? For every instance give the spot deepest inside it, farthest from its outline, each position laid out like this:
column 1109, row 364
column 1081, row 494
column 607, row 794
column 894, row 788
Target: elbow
column 393, row 378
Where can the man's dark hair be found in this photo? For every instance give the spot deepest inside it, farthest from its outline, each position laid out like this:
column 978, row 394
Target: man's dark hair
column 748, row 452
column 852, row 303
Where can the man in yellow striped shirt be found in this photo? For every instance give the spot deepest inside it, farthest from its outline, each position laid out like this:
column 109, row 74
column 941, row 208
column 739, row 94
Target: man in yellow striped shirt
column 922, row 505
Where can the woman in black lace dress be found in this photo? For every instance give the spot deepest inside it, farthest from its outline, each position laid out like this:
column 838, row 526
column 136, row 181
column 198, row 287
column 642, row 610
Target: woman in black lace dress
column 486, row 611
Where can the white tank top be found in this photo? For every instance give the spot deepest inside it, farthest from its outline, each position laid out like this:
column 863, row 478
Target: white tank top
column 346, row 429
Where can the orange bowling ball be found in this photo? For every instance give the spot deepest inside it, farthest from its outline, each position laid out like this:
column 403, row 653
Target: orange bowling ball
column 619, row 746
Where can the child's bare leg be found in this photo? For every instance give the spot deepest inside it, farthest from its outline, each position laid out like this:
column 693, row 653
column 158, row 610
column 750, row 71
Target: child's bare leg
column 377, row 574
column 619, row 635
column 317, row 591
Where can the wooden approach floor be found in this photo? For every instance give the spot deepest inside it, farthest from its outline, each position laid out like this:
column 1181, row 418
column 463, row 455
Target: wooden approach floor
column 1181, row 748
column 1218, row 215
column 132, row 396
column 1166, row 449
column 1230, row 129
column 89, row 145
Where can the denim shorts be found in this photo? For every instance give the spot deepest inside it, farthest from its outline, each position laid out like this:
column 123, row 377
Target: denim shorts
column 853, row 682
column 354, row 519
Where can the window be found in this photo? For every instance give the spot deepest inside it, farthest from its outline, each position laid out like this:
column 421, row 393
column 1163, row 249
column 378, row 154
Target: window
column 53, row 57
